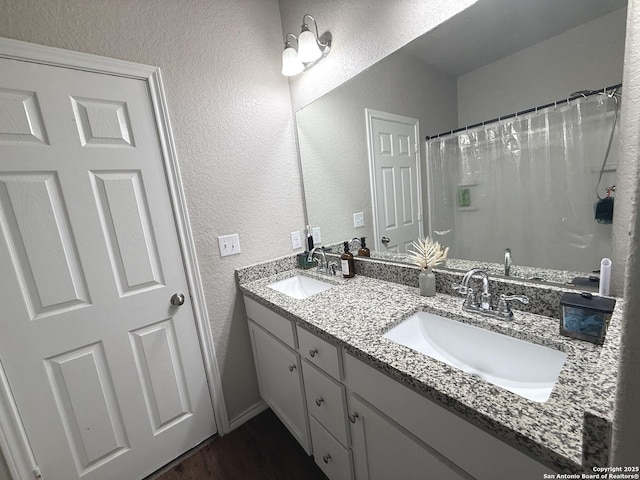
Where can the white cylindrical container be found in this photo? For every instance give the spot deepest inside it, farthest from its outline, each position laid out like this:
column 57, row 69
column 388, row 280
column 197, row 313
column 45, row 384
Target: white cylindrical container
column 605, row 276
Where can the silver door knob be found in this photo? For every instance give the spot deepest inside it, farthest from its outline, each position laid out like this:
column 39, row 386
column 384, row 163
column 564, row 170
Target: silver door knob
column 385, row 240
column 177, row 299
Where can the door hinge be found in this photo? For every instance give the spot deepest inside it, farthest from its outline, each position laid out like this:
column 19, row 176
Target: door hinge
column 37, row 474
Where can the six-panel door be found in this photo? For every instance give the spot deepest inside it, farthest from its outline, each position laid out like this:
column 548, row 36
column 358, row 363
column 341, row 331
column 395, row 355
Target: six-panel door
column 106, row 373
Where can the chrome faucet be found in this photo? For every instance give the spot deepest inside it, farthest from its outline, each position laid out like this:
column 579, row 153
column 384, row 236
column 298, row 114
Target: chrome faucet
column 471, row 304
column 485, row 303
column 322, row 263
column 324, row 266
column 507, row 262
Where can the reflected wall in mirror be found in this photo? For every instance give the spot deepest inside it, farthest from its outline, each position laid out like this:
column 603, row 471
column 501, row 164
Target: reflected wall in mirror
column 493, row 59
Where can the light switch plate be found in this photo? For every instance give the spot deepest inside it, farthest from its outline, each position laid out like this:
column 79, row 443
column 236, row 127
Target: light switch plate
column 229, row 245
column 296, row 241
column 317, row 236
column 358, row 220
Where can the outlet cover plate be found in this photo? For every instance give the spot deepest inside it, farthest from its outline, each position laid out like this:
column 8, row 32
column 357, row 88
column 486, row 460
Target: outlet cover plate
column 317, row 236
column 358, row 220
column 229, row 245
column 296, row 240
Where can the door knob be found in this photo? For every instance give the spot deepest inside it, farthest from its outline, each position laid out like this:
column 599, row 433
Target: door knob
column 177, row 299
column 385, row 240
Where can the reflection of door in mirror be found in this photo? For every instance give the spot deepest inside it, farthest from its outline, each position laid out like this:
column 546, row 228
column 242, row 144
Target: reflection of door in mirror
column 394, row 165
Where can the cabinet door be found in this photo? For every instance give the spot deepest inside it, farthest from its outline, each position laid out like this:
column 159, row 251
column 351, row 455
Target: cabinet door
column 279, row 379
column 381, row 450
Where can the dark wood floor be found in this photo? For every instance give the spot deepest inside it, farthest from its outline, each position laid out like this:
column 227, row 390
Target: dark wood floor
column 261, row 449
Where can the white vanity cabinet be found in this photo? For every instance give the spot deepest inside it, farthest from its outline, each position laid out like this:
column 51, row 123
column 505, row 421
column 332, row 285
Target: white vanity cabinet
column 279, row 370
column 360, row 423
column 454, row 442
column 383, row 450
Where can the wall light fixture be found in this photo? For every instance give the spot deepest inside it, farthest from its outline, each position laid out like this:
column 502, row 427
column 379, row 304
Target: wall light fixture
column 310, row 49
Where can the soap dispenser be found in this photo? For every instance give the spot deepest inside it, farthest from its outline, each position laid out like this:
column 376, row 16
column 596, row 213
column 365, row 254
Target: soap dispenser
column 364, row 250
column 348, row 265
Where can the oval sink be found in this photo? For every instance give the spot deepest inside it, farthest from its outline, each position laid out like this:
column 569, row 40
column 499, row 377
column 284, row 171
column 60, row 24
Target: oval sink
column 524, row 368
column 300, row 286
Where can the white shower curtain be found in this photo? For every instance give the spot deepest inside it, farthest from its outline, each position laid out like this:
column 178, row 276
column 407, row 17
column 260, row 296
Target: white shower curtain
column 527, row 183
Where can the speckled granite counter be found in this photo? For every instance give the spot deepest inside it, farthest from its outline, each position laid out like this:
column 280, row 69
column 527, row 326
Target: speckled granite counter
column 571, row 431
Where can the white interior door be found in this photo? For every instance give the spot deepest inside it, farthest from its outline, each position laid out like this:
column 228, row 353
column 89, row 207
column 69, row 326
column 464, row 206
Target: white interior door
column 106, row 373
column 394, row 162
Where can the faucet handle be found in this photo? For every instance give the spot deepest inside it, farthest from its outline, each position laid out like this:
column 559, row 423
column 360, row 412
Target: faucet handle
column 521, row 298
column 461, row 289
column 334, row 268
column 504, row 307
column 470, row 299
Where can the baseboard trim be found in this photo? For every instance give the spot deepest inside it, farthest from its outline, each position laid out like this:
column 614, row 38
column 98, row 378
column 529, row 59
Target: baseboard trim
column 255, row 409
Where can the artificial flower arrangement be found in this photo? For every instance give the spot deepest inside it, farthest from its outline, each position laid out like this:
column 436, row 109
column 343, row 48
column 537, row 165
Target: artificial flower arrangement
column 427, row 253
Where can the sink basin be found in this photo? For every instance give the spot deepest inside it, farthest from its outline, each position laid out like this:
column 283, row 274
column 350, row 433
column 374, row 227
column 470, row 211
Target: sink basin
column 523, row 368
column 300, row 286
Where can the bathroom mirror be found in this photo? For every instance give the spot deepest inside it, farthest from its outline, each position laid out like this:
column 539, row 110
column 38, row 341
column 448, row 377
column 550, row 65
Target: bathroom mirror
column 495, row 58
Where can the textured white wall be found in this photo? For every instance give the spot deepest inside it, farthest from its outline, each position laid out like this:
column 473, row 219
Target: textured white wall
column 231, row 115
column 364, row 31
column 626, row 440
column 332, row 135
column 584, row 58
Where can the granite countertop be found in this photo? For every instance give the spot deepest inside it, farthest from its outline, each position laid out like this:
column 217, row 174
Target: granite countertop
column 570, row 431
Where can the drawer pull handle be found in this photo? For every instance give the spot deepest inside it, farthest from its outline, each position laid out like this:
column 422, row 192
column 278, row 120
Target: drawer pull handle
column 292, row 368
column 319, row 401
column 352, row 418
column 326, row 458
column 313, row 352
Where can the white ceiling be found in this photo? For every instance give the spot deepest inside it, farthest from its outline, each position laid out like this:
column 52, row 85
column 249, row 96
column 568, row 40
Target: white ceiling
column 492, row 29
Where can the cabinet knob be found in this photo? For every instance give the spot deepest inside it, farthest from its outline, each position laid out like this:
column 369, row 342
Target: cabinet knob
column 326, row 458
column 313, row 352
column 292, row 368
column 353, row 417
column 319, row 401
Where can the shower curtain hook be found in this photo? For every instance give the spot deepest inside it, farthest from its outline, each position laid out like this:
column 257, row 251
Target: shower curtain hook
column 555, row 105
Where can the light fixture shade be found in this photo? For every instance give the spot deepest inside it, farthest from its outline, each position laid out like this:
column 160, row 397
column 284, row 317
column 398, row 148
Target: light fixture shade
column 308, row 50
column 290, row 63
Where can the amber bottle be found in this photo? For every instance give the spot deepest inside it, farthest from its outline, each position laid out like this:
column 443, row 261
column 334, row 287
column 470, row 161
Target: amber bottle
column 348, row 265
column 364, row 250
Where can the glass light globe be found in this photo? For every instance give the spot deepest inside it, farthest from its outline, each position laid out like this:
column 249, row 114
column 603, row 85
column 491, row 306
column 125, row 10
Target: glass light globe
column 308, row 49
column 290, row 63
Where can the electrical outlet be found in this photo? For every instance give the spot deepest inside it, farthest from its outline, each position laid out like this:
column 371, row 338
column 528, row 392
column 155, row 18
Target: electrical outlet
column 229, row 245
column 317, row 237
column 358, row 220
column 296, row 241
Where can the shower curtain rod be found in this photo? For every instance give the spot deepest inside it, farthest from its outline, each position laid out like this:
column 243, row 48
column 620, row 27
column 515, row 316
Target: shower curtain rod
column 529, row 110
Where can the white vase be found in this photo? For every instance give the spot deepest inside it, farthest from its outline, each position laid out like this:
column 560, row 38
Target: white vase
column 427, row 281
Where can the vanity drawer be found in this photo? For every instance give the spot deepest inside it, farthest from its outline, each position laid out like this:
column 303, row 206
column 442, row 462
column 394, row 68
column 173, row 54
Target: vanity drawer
column 326, row 401
column 332, row 458
column 277, row 325
column 320, row 352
